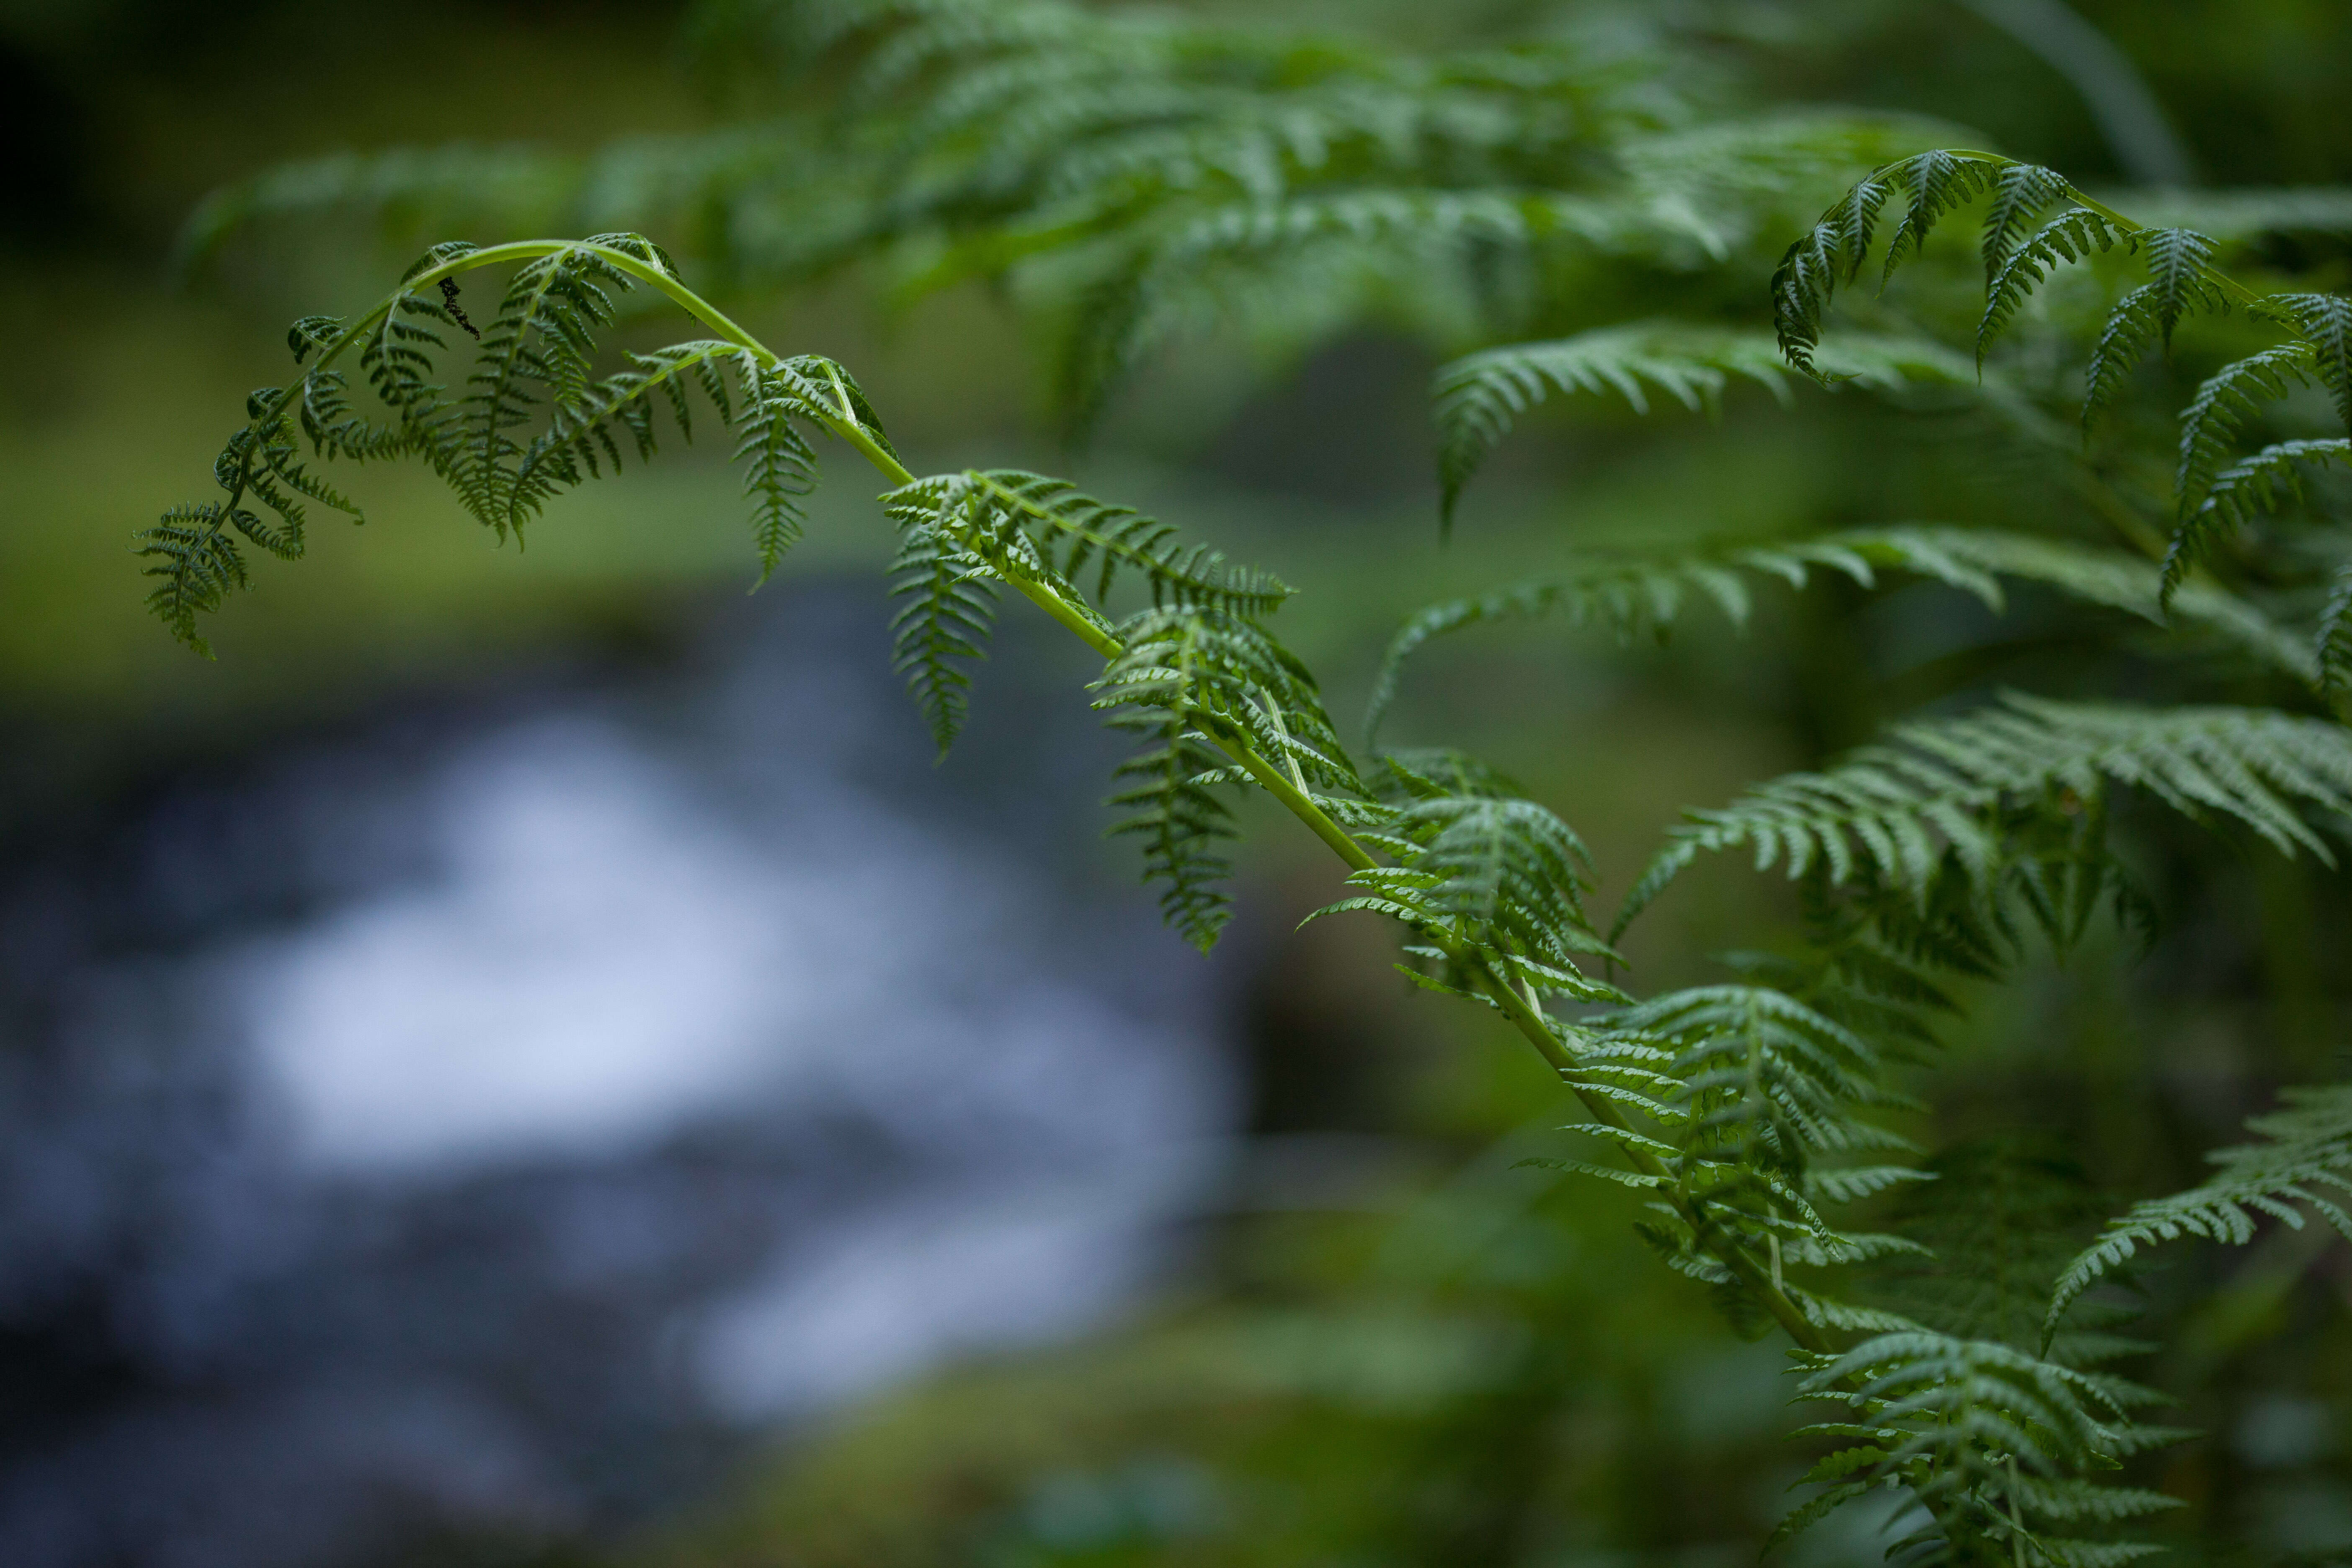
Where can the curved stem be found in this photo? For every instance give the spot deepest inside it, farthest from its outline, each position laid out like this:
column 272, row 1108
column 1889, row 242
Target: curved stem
column 841, row 421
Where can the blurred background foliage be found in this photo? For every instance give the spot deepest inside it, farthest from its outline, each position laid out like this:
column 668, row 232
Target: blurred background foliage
column 1389, row 1345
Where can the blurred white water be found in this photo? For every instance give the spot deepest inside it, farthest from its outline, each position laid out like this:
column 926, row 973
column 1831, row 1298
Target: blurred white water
column 611, row 1076
column 601, row 961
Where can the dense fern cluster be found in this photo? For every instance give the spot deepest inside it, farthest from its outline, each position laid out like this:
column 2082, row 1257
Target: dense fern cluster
column 1143, row 172
column 2216, row 490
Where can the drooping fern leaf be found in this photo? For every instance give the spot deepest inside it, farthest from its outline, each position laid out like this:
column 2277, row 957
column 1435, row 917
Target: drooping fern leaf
column 2072, row 235
column 2180, row 280
column 1161, row 683
column 1193, row 682
column 1046, row 525
column 951, row 611
column 535, row 418
column 2010, row 1442
column 1478, row 866
column 2306, row 1157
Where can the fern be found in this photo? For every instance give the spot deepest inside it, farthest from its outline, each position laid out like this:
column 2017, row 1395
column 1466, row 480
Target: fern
column 1167, row 677
column 2072, row 235
column 1991, row 1439
column 1895, row 809
column 534, row 420
column 1160, row 174
column 1149, row 175
column 1029, row 522
column 1477, row 867
column 2305, row 1157
column 1477, row 399
column 949, row 614
column 2209, row 425
column 1635, row 595
column 2180, row 281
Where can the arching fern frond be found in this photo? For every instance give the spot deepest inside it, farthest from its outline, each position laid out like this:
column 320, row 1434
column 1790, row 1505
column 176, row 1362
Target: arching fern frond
column 2020, row 194
column 2305, row 1158
column 1499, row 875
column 1159, row 691
column 534, row 419
column 945, row 623
column 2071, row 236
column 2325, row 322
column 1892, row 810
column 1187, row 678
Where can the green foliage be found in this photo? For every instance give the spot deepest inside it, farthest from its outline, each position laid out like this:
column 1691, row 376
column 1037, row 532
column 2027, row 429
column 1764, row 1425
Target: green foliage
column 1152, row 173
column 1480, row 397
column 2216, row 492
column 533, row 422
column 1993, row 1442
column 1985, row 788
column 2307, row 1151
column 1478, row 867
column 1141, row 175
column 1633, row 595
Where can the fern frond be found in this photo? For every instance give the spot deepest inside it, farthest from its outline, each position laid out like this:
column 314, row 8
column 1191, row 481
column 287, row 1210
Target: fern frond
column 2209, row 425
column 1760, row 1069
column 539, row 348
column 199, row 564
column 535, row 418
column 2020, row 194
column 950, row 612
column 2324, row 323
column 2306, row 1153
column 1993, row 1441
column 2335, row 633
column 2180, row 280
column 1893, row 810
column 1187, row 675
column 2073, row 235
column 1938, row 182
column 779, row 468
column 1499, row 874
column 1832, row 251
column 1632, row 596
column 1477, row 400
column 2239, row 493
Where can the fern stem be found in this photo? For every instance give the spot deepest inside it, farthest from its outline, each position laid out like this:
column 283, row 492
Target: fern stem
column 841, row 421
column 1523, row 1015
